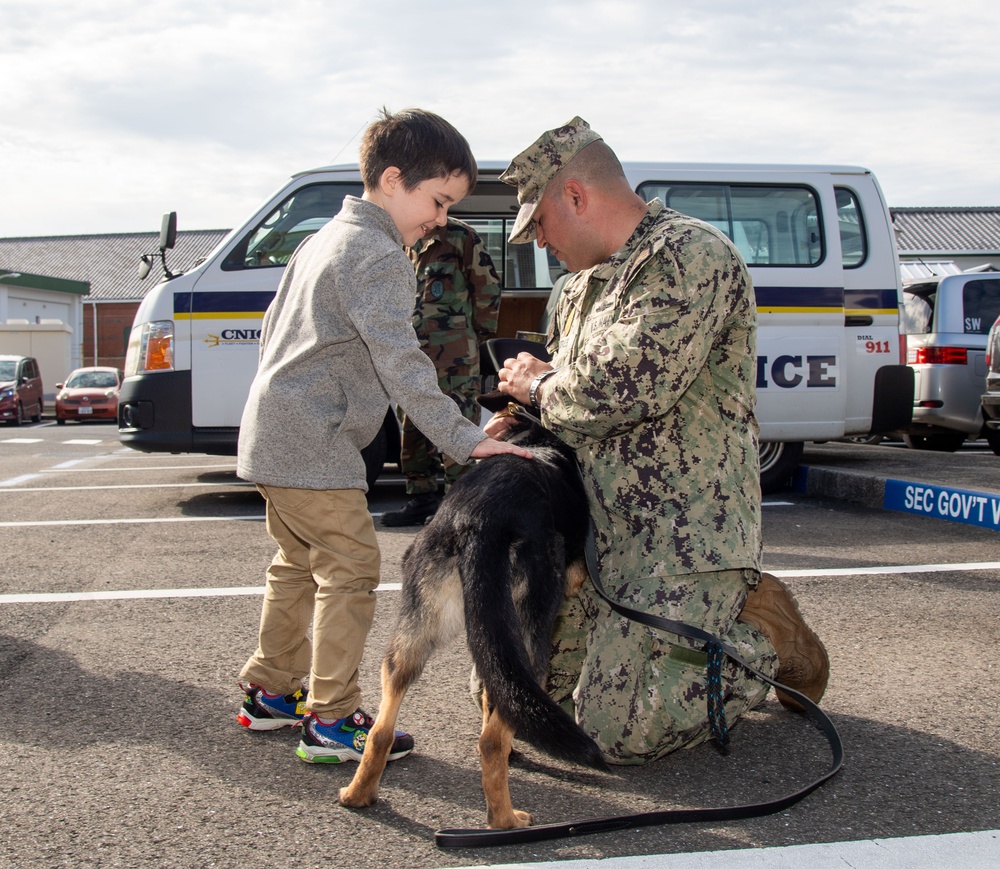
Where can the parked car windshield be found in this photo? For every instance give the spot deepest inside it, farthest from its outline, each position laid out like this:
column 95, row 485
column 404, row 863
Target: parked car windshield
column 92, row 380
column 8, row 367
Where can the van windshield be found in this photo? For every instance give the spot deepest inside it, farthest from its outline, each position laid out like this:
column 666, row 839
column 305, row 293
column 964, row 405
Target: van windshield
column 8, row 368
column 304, row 212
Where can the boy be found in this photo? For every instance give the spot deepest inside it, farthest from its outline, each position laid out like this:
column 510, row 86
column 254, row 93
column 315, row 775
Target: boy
column 336, row 343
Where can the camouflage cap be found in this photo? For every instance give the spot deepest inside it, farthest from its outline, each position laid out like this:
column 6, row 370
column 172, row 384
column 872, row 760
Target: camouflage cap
column 537, row 165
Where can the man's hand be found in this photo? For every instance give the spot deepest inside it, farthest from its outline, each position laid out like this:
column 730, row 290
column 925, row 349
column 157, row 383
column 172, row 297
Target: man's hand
column 516, row 375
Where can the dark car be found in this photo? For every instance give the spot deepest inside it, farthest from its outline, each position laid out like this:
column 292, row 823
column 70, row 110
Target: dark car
column 20, row 390
column 89, row 393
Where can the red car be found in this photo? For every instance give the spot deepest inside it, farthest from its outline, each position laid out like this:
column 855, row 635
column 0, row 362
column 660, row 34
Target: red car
column 88, row 393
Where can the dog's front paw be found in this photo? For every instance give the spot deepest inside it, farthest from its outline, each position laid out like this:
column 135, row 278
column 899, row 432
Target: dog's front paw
column 357, row 798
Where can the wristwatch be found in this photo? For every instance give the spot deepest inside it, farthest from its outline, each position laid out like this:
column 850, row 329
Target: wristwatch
column 533, row 389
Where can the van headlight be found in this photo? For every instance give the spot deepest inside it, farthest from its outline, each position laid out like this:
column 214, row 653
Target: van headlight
column 150, row 348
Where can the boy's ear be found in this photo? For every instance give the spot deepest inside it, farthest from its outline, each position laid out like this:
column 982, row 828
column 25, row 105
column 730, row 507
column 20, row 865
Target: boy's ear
column 390, row 180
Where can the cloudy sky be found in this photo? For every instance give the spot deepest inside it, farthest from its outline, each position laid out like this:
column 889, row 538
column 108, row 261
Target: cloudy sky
column 115, row 111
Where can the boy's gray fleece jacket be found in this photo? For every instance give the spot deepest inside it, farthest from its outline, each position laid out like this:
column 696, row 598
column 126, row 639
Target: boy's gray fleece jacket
column 336, row 343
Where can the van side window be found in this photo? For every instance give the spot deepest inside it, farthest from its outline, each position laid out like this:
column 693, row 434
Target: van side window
column 980, row 306
column 520, row 266
column 274, row 240
column 853, row 238
column 770, row 225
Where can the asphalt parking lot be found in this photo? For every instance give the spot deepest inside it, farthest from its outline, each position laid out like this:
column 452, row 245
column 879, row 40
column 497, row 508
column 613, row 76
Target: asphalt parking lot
column 129, row 600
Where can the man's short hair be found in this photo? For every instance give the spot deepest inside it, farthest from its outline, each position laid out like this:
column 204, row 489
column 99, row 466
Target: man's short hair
column 419, row 143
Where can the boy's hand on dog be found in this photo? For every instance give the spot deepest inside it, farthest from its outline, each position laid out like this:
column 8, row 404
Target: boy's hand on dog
column 516, row 375
column 490, row 447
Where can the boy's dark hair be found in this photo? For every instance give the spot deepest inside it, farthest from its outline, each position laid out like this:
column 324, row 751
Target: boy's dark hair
column 419, row 143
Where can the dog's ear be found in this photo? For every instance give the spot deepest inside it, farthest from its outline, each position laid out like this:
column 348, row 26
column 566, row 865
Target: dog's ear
column 494, row 401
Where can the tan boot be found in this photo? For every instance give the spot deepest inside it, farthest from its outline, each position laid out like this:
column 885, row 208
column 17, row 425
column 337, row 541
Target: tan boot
column 803, row 663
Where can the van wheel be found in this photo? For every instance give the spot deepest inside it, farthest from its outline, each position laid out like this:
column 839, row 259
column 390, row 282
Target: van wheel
column 992, row 436
column 18, row 415
column 374, row 456
column 778, row 462
column 938, row 443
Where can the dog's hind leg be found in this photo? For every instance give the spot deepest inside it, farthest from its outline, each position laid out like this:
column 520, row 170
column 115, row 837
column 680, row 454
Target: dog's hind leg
column 494, row 752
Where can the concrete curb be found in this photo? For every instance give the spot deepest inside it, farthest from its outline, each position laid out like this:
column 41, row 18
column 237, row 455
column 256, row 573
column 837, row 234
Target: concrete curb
column 947, row 503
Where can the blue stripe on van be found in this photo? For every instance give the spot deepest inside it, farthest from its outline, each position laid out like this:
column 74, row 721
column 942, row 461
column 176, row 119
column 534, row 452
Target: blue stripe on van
column 871, row 299
column 800, row 297
column 222, row 303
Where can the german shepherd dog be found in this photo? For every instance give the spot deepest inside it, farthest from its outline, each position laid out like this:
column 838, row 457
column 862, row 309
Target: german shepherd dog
column 505, row 546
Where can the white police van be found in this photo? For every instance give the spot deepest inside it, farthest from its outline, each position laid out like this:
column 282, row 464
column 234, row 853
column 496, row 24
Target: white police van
column 818, row 241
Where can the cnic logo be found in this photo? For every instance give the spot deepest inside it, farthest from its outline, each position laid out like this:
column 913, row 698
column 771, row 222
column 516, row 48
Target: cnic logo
column 230, row 337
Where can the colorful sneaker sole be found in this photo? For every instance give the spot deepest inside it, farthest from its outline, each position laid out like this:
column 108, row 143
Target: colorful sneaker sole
column 343, row 754
column 253, row 723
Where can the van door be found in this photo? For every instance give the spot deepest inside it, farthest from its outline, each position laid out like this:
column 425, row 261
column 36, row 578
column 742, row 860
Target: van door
column 872, row 294
column 218, row 323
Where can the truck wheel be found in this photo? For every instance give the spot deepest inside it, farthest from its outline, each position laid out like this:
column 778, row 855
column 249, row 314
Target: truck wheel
column 992, row 436
column 778, row 462
column 374, row 456
column 938, row 443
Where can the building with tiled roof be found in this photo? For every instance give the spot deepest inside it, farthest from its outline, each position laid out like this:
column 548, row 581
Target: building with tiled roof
column 947, row 240
column 110, row 264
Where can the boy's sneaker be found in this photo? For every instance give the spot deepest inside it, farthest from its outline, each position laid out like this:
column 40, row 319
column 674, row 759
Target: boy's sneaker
column 263, row 711
column 343, row 739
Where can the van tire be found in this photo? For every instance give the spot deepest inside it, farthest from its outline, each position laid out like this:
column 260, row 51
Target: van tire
column 992, row 436
column 374, row 455
column 778, row 462
column 938, row 443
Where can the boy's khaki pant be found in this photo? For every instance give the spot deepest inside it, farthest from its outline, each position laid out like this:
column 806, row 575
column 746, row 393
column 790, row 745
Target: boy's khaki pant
column 324, row 574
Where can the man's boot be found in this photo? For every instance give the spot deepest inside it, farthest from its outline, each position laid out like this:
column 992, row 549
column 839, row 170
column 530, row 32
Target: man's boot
column 416, row 511
column 803, row 663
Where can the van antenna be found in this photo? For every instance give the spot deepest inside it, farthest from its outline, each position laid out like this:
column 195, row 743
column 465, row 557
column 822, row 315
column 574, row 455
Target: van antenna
column 348, row 142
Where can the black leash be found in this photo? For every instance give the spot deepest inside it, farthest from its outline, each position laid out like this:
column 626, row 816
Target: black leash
column 488, row 838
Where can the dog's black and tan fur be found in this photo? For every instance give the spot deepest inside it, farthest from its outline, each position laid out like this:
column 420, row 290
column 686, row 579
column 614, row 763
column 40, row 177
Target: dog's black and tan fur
column 505, row 546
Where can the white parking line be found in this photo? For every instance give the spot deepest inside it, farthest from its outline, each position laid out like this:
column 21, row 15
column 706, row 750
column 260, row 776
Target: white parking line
column 235, row 483
column 105, row 468
column 146, row 594
column 140, row 594
column 16, row 481
column 65, row 522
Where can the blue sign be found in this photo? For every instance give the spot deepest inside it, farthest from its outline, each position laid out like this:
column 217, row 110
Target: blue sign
column 942, row 502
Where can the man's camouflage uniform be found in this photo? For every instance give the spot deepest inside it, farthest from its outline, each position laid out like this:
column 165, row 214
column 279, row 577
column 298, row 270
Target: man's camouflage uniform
column 457, row 306
column 657, row 353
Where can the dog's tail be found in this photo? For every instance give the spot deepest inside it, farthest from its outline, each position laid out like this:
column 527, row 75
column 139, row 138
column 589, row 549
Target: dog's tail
column 502, row 662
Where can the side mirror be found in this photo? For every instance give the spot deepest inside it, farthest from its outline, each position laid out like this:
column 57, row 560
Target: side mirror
column 145, row 264
column 168, row 231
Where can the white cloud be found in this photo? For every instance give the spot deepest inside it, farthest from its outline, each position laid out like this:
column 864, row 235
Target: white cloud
column 115, row 112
